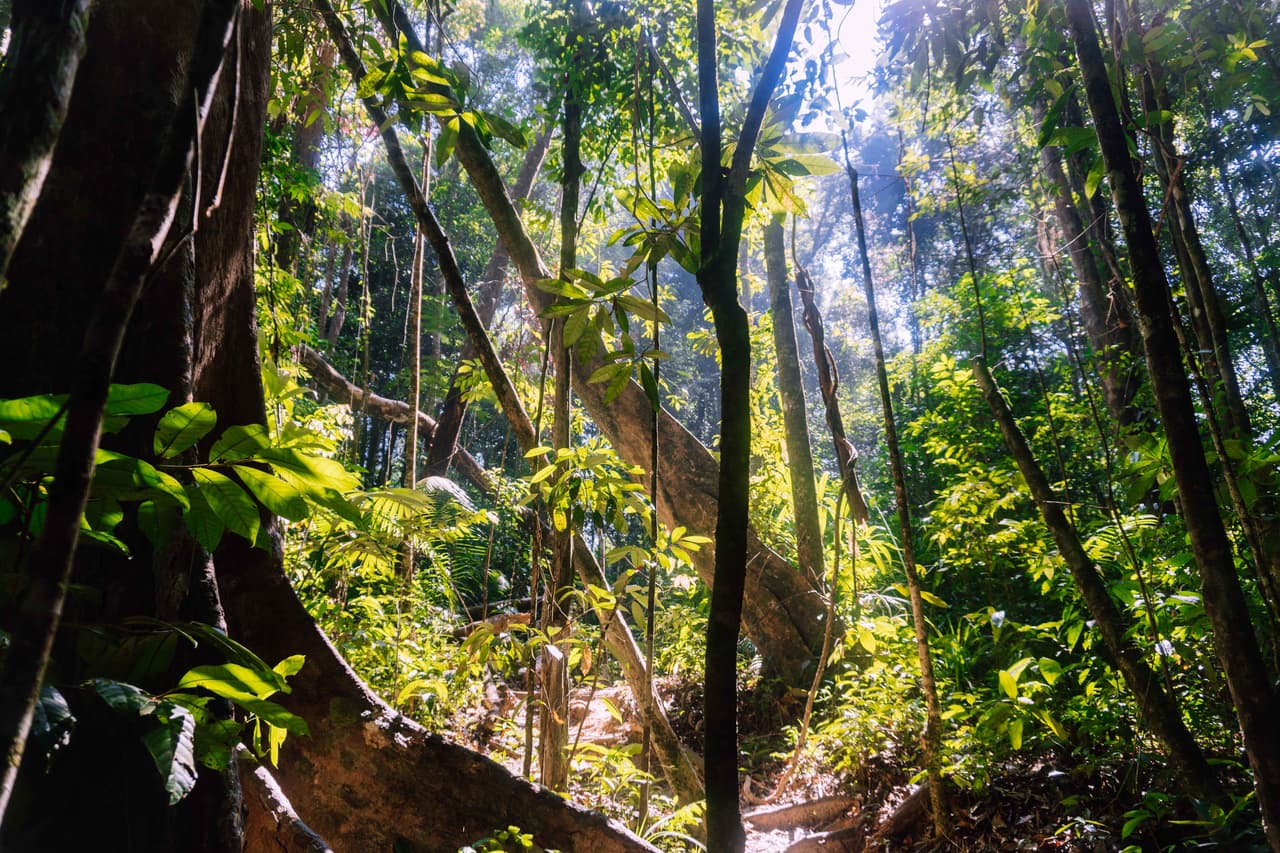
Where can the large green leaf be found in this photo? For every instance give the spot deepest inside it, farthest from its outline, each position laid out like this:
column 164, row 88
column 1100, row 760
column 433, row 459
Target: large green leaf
column 233, row 681
column 230, row 503
column 126, row 478
column 172, row 748
column 120, row 696
column 182, row 427
column 202, row 522
column 239, row 442
column 140, row 399
column 275, row 494
column 25, row 417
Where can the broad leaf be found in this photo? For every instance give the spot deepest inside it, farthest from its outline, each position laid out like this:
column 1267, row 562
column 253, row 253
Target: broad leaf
column 239, row 442
column 230, row 503
column 276, row 495
column 172, row 748
column 182, row 427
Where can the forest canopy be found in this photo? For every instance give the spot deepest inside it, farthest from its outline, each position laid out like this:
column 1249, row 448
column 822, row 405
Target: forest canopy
column 545, row 424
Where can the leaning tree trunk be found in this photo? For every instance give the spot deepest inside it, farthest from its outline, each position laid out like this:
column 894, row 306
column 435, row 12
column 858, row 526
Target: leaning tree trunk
column 1157, row 709
column 1235, row 641
column 781, row 614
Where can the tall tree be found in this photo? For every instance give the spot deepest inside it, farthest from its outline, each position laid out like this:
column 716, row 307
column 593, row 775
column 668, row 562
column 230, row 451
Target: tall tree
column 1234, row 638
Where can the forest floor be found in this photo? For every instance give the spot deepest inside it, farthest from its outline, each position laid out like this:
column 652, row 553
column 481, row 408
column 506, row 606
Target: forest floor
column 1033, row 802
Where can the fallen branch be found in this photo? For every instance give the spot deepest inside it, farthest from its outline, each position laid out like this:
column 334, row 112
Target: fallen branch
column 811, row 814
column 342, row 389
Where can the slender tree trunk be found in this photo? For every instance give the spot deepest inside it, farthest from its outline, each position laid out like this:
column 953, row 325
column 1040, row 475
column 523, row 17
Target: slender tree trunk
column 1106, row 320
column 928, row 684
column 554, row 713
column 1208, row 316
column 828, row 384
column 48, row 39
column 1224, row 602
column 454, row 409
column 723, row 206
column 335, row 323
column 804, row 497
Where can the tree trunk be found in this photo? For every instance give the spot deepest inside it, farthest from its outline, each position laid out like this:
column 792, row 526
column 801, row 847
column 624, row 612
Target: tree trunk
column 48, row 40
column 1106, row 319
column 804, row 498
column 928, row 684
column 444, row 443
column 1224, row 601
column 421, row 793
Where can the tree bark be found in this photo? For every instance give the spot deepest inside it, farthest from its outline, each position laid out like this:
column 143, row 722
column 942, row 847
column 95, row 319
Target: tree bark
column 1224, row 602
column 804, row 497
column 48, row 40
column 49, row 570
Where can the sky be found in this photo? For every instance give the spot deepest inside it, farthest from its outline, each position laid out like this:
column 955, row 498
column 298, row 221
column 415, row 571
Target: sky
column 857, row 36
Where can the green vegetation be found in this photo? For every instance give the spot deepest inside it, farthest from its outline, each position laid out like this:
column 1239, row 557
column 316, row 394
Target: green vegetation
column 999, row 570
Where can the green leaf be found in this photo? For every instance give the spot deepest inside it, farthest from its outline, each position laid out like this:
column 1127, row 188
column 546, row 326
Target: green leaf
column 140, row 399
column 505, row 130
column 202, row 522
column 1009, row 684
column 238, row 442
column 650, row 385
column 290, row 666
column 25, row 417
column 575, row 325
column 275, row 494
column 120, row 696
column 643, row 308
column 606, row 373
column 1050, row 670
column 1073, row 139
column 1015, row 732
column 172, row 748
column 158, row 521
column 230, row 503
column 814, row 164
column 1095, row 176
column 276, row 715
column 182, row 427
column 930, row 598
column 316, row 476
column 233, row 681
column 124, row 478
